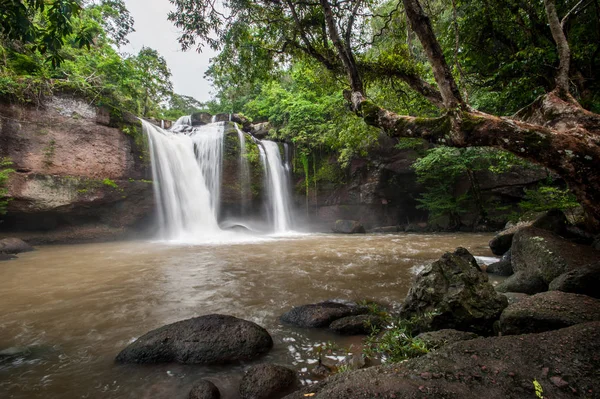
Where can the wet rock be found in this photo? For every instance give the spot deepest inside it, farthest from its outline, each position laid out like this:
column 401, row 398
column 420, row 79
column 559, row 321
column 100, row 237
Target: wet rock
column 584, row 280
column 548, row 311
column 437, row 339
column 503, row 267
column 320, row 315
column 260, row 130
column 348, row 227
column 204, row 390
column 6, row 257
column 498, row 367
column 523, row 282
column 514, row 297
column 386, row 229
column 541, row 255
column 457, row 292
column 554, row 221
column 356, row 325
column 268, row 381
column 14, row 246
column 201, row 118
column 211, row 339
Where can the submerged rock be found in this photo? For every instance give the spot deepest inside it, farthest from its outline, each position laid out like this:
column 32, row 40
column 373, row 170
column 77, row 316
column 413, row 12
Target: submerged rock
column 456, row 293
column 584, row 280
column 211, row 339
column 6, row 257
column 14, row 246
column 548, row 311
column 437, row 339
column 204, row 390
column 356, row 325
column 498, row 367
column 268, row 381
column 348, row 227
column 320, row 315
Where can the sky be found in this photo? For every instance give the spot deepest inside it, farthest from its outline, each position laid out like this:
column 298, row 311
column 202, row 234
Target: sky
column 155, row 31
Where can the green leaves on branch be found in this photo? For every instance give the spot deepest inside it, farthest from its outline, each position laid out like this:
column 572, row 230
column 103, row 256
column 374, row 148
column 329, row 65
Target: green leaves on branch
column 5, row 172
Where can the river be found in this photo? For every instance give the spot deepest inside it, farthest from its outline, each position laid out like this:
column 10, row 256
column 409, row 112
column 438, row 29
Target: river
column 67, row 311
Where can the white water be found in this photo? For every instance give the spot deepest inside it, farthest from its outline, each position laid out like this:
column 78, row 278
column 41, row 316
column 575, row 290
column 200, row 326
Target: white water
column 244, row 171
column 186, row 169
column 277, row 187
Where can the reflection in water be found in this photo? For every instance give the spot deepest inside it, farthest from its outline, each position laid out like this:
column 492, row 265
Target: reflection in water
column 66, row 311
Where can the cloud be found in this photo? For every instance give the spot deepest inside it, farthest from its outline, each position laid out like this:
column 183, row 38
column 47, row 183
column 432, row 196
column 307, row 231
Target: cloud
column 155, row 31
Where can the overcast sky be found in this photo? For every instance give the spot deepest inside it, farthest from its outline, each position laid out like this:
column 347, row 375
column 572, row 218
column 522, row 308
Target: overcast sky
column 154, row 30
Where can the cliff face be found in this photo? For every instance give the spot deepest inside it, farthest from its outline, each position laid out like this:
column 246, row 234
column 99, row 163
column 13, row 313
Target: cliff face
column 81, row 173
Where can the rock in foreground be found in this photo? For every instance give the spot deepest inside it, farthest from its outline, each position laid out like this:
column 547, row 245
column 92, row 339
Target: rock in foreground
column 14, row 246
column 564, row 362
column 211, row 339
column 457, row 292
column 548, row 311
column 320, row 315
column 204, row 390
column 584, row 280
column 437, row 339
column 268, row 381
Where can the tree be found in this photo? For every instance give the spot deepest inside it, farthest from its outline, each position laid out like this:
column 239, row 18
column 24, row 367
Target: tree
column 154, row 78
column 554, row 131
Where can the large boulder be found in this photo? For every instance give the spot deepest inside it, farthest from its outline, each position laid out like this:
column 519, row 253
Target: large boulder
column 541, row 256
column 204, row 389
column 356, row 325
column 503, row 267
column 584, row 280
column 456, row 293
column 211, row 339
column 548, row 311
column 554, row 221
column 437, row 339
column 268, row 381
column 348, row 227
column 320, row 315
column 565, row 363
column 14, row 246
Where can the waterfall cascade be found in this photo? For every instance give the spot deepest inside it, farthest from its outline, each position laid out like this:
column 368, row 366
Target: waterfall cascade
column 187, row 165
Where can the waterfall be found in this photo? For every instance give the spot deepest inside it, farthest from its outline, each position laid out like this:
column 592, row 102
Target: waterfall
column 244, row 171
column 277, row 186
column 186, row 169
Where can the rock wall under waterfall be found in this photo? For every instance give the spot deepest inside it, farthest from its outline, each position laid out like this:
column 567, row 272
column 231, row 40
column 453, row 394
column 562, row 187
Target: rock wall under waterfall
column 80, row 173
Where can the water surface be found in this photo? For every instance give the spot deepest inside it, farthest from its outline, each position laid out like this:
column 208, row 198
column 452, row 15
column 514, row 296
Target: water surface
column 71, row 309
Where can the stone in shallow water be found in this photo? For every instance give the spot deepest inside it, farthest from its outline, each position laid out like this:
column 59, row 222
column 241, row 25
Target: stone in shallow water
column 14, row 246
column 320, row 315
column 211, row 339
column 356, row 325
column 268, row 381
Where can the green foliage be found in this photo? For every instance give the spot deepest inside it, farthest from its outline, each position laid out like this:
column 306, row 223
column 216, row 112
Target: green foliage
column 396, row 343
column 539, row 391
column 5, row 172
column 547, row 197
column 110, row 183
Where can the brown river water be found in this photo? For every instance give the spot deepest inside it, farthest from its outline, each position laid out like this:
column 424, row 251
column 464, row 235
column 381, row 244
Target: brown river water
column 67, row 311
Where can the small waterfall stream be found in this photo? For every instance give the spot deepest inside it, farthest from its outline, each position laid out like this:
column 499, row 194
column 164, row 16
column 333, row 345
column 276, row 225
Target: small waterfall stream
column 187, row 165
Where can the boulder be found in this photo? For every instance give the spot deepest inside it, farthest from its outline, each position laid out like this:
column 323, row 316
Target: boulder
column 201, row 118
column 502, row 267
column 584, row 280
column 514, row 297
column 541, row 255
column 14, row 246
column 564, row 362
column 204, row 390
column 211, row 339
column 356, row 325
column 348, row 227
column 554, row 221
column 268, row 381
column 456, row 293
column 437, row 339
column 320, row 315
column 548, row 311
column 524, row 283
